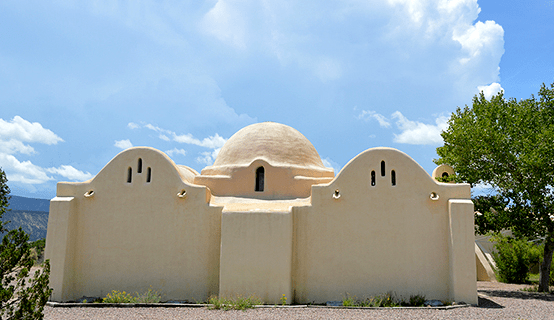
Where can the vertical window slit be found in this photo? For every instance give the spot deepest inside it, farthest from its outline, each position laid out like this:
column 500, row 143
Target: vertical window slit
column 139, row 166
column 382, row 168
column 129, row 175
column 373, row 178
column 148, row 174
column 393, row 177
column 260, row 172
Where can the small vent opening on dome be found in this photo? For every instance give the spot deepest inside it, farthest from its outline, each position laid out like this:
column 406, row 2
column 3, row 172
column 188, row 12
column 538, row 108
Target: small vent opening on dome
column 260, row 172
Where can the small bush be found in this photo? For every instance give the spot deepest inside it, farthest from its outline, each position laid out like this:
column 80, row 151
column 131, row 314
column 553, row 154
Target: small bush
column 238, row 303
column 117, row 296
column 150, row 296
column 512, row 259
column 416, row 300
column 384, row 300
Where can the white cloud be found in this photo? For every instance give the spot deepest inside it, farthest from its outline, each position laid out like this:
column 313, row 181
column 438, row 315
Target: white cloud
column 331, row 164
column 226, row 23
column 23, row 130
column 175, row 151
column 12, row 136
column 367, row 115
column 24, row 172
column 123, row 144
column 208, row 158
column 132, row 125
column 70, row 173
column 212, row 142
column 414, row 132
column 490, row 90
column 15, row 146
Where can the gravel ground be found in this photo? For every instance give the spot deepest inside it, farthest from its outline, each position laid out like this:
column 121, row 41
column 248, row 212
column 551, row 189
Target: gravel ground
column 496, row 301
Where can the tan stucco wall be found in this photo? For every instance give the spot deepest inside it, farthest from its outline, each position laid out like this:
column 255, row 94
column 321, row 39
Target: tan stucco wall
column 256, row 254
column 376, row 239
column 130, row 236
column 280, row 182
column 349, row 237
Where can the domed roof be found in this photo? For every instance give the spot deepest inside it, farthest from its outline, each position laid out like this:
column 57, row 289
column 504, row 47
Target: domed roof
column 278, row 144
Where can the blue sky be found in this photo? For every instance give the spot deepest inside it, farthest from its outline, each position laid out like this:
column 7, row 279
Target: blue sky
column 82, row 80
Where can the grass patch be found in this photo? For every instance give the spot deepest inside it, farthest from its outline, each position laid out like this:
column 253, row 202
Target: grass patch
column 149, row 296
column 238, row 303
column 386, row 300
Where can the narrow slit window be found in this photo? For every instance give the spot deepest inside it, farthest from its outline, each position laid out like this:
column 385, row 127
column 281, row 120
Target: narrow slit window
column 373, row 178
column 129, row 175
column 382, row 168
column 148, row 174
column 393, row 177
column 139, row 165
column 260, row 172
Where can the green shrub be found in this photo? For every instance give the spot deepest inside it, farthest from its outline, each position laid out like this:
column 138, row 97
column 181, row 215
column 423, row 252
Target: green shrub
column 117, row 296
column 238, row 303
column 512, row 259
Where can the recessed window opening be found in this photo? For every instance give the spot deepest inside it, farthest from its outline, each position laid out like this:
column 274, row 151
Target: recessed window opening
column 445, row 174
column 382, row 168
column 373, row 178
column 393, row 177
column 260, row 172
column 129, row 175
column 139, row 167
column 148, row 174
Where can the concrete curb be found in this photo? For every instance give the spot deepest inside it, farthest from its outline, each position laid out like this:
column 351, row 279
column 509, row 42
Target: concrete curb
column 201, row 305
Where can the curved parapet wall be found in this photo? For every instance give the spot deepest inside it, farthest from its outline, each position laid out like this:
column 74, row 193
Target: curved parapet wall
column 383, row 224
column 139, row 223
column 288, row 161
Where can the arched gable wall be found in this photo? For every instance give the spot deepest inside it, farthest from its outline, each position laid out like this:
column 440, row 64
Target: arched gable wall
column 120, row 235
column 366, row 240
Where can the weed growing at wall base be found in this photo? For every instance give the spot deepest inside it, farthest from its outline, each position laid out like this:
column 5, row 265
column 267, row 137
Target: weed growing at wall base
column 238, row 303
column 116, row 296
column 384, row 300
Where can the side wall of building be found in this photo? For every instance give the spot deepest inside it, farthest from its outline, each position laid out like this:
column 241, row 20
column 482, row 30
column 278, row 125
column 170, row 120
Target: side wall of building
column 388, row 231
column 131, row 228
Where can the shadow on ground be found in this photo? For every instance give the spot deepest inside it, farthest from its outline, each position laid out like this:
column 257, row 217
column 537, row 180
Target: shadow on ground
column 517, row 295
column 488, row 304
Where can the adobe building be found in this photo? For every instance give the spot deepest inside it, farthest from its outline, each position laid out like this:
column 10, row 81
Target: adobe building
column 266, row 219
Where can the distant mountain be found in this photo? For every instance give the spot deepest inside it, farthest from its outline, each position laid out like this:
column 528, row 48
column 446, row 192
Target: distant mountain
column 30, row 204
column 29, row 214
column 33, row 222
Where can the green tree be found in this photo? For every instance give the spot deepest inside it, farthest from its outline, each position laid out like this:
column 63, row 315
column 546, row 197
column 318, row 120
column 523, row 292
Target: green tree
column 509, row 145
column 22, row 296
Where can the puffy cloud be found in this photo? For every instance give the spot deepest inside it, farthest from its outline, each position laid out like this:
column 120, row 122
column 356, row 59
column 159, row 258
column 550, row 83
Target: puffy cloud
column 212, row 142
column 13, row 134
column 70, row 173
column 15, row 146
column 175, row 151
column 490, row 90
column 367, row 115
column 24, row 171
column 208, row 158
column 132, row 125
column 414, row 132
column 23, row 130
column 123, row 144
